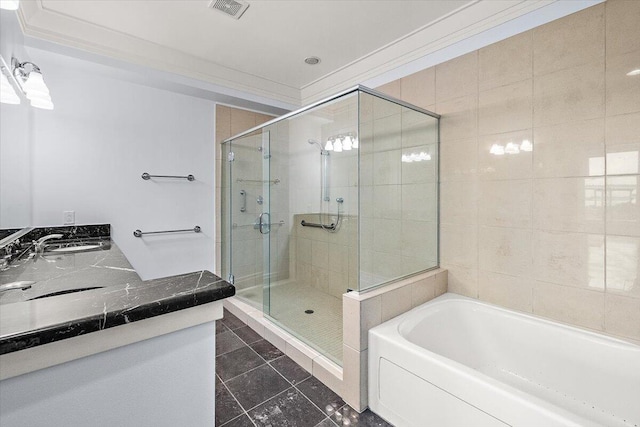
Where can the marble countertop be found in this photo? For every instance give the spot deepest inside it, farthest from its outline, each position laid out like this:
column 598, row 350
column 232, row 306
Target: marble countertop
column 122, row 297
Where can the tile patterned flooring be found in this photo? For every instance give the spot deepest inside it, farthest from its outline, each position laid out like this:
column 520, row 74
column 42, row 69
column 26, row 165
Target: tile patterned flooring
column 257, row 385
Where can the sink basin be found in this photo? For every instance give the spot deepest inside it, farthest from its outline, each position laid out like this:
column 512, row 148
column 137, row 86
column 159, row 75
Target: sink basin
column 74, row 247
column 66, row 291
column 80, row 248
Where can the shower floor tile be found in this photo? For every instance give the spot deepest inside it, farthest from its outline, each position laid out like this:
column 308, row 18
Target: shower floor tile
column 322, row 329
column 276, row 392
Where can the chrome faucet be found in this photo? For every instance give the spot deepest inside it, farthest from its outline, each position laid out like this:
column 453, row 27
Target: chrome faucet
column 39, row 244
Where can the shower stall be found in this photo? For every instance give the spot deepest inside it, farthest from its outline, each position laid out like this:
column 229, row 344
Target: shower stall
column 336, row 197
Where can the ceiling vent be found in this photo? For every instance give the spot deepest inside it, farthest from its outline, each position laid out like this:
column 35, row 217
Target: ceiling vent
column 232, row 8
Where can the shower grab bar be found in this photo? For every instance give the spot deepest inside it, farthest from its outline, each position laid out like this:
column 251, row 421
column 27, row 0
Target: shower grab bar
column 146, row 176
column 139, row 233
column 314, row 225
column 243, row 208
column 260, row 181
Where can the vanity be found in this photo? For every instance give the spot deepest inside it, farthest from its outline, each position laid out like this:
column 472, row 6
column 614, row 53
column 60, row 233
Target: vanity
column 84, row 341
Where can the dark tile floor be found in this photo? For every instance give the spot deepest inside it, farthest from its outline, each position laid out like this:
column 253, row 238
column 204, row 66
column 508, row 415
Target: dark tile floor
column 257, row 385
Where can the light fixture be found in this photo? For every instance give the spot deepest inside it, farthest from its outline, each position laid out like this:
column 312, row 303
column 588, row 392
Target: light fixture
column 8, row 93
column 511, row 148
column 312, row 60
column 347, row 143
column 30, row 81
column 526, row 145
column 497, row 150
column 329, row 145
column 635, row 72
column 415, row 157
column 9, row 4
column 337, row 145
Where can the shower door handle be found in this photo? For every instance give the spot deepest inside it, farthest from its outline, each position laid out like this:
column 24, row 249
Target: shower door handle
column 264, row 227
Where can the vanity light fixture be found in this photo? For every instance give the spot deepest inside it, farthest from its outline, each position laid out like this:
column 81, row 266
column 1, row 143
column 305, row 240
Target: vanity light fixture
column 526, row 145
column 30, row 81
column 497, row 149
column 9, row 4
column 329, row 145
column 635, row 72
column 342, row 142
column 8, row 93
column 511, row 148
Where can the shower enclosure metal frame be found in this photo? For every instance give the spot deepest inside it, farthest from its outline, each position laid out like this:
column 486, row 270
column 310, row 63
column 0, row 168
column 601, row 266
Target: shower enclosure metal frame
column 324, row 186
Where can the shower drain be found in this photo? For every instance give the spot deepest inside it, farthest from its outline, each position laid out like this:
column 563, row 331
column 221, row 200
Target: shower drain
column 309, row 311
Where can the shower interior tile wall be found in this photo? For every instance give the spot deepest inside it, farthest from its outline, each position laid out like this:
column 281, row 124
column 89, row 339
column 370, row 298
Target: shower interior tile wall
column 555, row 230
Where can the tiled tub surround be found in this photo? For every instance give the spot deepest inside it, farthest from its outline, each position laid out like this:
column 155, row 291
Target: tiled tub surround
column 554, row 231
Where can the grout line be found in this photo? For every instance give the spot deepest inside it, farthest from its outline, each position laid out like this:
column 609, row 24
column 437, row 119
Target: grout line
column 239, row 404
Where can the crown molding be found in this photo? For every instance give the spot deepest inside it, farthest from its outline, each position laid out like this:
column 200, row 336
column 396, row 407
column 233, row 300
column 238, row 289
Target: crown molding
column 42, row 23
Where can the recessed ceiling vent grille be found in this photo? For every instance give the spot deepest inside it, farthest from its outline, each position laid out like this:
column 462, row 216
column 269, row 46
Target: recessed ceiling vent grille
column 232, row 8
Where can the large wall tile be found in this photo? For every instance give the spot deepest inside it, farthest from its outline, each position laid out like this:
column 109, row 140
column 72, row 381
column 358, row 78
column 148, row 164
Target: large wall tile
column 505, row 250
column 565, row 43
column 459, row 118
column 623, row 205
column 386, row 133
column 505, row 203
column 387, row 167
column 623, row 31
column 419, row 202
column 420, row 88
column 506, row 62
column 459, row 245
column 387, row 201
column 623, row 265
column 507, row 291
column 623, row 159
column 457, row 77
column 569, row 149
column 506, row 166
column 569, row 204
column 570, row 259
column 459, row 160
column 461, row 280
column 622, row 129
column 459, row 202
column 414, row 172
column 569, row 95
column 385, row 236
column 392, row 89
column 623, row 92
column 570, row 305
column 506, row 108
column 622, row 316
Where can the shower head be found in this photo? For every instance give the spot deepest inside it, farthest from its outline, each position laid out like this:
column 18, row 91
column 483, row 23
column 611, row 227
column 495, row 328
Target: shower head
column 322, row 150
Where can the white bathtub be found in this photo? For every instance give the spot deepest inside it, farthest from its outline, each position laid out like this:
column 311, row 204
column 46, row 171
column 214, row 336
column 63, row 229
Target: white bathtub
column 456, row 361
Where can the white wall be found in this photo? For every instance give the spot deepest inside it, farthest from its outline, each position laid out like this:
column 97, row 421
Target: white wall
column 87, row 155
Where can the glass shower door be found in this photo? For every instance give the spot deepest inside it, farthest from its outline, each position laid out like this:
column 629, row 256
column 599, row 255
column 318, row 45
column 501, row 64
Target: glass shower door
column 249, row 219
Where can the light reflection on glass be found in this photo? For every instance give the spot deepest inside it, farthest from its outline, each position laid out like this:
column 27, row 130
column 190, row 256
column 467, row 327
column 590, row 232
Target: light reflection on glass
column 511, row 148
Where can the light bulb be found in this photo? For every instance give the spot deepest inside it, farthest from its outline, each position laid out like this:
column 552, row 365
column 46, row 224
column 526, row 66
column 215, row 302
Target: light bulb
column 511, row 148
column 8, row 94
column 346, row 143
column 406, row 159
column 35, row 86
column 9, row 4
column 329, row 145
column 497, row 149
column 526, row 145
column 337, row 146
column 44, row 104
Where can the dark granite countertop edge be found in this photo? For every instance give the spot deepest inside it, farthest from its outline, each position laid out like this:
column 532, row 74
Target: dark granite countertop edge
column 190, row 297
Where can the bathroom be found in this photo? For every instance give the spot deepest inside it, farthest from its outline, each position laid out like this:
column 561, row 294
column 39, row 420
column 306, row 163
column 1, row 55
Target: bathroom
column 533, row 202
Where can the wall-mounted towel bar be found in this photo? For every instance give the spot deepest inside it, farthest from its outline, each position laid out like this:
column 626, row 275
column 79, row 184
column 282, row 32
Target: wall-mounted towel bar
column 260, row 181
column 139, row 233
column 146, row 176
column 256, row 225
column 313, row 224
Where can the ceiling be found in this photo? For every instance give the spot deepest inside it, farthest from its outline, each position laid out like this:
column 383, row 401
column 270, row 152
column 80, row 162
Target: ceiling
column 263, row 52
